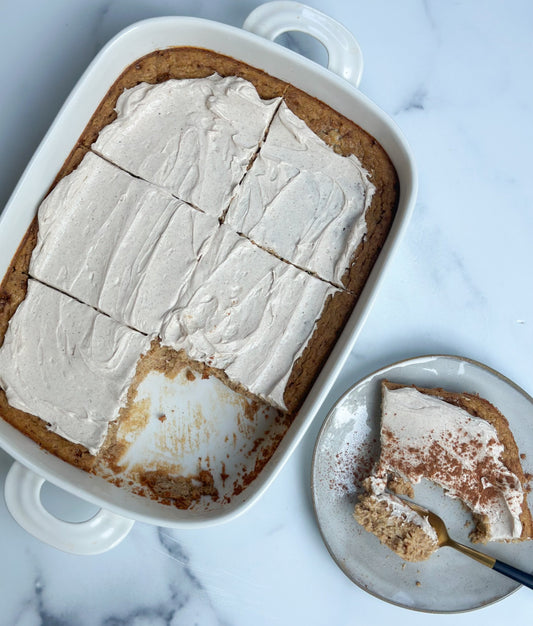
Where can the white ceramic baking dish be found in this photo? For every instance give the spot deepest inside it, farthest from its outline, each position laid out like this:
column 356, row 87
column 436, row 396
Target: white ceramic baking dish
column 254, row 44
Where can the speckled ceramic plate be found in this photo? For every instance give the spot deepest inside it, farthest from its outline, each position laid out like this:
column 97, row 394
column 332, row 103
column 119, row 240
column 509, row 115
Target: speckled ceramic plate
column 345, row 451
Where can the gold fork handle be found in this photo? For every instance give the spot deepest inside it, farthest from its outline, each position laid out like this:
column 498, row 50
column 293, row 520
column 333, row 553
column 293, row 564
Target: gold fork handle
column 471, row 552
column 498, row 566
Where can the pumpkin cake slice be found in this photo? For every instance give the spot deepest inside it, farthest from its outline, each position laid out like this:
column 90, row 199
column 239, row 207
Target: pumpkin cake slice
column 118, row 243
column 246, row 312
column 460, row 442
column 319, row 196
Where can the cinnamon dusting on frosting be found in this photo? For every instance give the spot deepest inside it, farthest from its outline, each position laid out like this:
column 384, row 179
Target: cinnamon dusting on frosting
column 426, row 437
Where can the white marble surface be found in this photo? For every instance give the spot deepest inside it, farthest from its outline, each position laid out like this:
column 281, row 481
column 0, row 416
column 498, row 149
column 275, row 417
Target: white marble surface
column 456, row 77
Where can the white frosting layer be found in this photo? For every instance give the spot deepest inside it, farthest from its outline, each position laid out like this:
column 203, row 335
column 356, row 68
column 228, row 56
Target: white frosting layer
column 425, row 437
column 302, row 200
column 68, row 364
column 248, row 313
column 195, row 137
column 118, row 243
column 149, row 261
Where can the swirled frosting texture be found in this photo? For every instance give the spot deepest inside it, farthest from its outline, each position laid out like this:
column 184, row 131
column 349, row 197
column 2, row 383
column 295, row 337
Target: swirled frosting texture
column 195, row 137
column 136, row 235
column 164, row 268
column 68, row 364
column 302, row 200
column 118, row 243
column 425, row 437
column 245, row 311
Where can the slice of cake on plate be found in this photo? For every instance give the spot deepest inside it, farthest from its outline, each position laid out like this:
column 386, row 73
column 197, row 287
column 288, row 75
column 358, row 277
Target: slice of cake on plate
column 397, row 526
column 460, row 442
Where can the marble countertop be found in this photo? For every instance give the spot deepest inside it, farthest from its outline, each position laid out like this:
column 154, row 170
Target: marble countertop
column 456, row 79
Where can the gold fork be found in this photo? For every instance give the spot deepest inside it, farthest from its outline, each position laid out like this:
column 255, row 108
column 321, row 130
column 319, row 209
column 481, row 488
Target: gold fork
column 445, row 540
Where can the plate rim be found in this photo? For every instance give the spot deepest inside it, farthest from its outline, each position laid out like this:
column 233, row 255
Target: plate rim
column 325, row 424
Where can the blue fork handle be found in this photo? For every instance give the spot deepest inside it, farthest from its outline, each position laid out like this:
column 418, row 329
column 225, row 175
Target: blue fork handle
column 508, row 570
column 498, row 566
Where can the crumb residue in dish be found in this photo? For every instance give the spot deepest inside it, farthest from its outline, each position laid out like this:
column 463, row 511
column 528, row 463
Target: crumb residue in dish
column 182, row 491
column 264, row 453
column 179, row 470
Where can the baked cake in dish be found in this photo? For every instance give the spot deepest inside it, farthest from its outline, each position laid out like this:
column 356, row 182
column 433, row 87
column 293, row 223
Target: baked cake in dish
column 138, row 240
column 460, row 442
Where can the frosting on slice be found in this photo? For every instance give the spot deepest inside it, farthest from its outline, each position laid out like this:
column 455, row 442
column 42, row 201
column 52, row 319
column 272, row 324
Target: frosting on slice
column 118, row 243
column 68, row 364
column 302, row 200
column 245, row 311
column 195, row 137
column 424, row 436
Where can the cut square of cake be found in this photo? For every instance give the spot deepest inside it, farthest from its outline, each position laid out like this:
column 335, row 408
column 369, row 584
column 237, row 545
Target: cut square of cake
column 118, row 243
column 248, row 313
column 194, row 137
column 319, row 197
column 68, row 364
column 458, row 441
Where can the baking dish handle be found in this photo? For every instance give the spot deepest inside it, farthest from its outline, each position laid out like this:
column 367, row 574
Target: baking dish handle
column 272, row 19
column 22, row 495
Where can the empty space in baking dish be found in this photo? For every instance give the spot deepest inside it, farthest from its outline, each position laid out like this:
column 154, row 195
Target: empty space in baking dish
column 189, row 440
